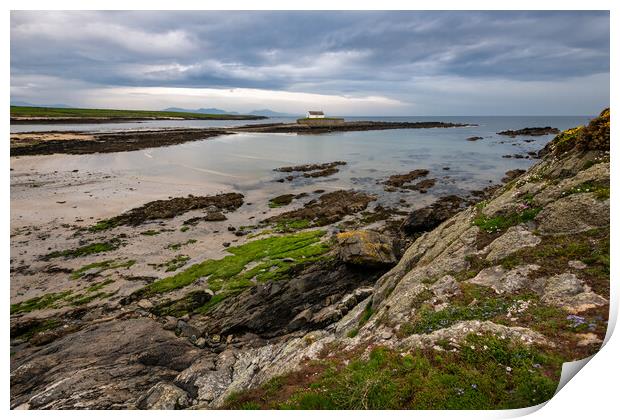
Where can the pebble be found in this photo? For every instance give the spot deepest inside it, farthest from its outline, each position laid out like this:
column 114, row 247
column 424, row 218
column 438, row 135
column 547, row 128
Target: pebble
column 386, row 335
column 145, row 304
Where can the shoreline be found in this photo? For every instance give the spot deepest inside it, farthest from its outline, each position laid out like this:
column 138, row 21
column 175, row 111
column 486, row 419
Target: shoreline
column 82, row 142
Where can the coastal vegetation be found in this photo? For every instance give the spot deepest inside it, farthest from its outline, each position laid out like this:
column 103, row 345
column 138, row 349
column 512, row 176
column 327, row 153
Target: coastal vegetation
column 31, row 112
column 272, row 258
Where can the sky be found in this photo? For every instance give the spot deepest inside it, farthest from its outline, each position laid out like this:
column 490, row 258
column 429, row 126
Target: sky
column 345, row 63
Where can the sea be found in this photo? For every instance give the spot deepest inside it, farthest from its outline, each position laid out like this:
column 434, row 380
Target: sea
column 246, row 162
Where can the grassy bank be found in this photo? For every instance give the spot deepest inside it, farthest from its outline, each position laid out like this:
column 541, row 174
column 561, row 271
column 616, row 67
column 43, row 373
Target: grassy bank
column 25, row 112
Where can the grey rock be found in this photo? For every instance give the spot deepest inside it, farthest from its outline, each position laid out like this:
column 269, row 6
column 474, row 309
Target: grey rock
column 573, row 214
column 164, row 396
column 515, row 238
column 506, row 281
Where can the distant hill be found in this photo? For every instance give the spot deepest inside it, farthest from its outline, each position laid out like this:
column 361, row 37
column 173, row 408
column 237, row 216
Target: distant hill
column 202, row 111
column 22, row 103
column 262, row 112
column 270, row 113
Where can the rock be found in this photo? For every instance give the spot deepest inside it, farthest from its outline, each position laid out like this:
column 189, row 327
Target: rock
column 145, row 304
column 386, row 335
column 505, row 281
column 570, row 293
column 167, row 209
column 107, row 365
column 214, row 216
column 288, row 260
column 201, row 342
column 422, row 186
column 365, row 247
column 268, row 309
column 282, row 200
column 329, row 208
column 577, row 265
column 514, row 239
column 171, row 323
column 588, row 339
column 530, row 131
column 512, row 174
column 573, row 214
column 226, row 244
column 474, row 138
column 188, row 330
column 427, row 218
column 164, row 396
column 398, row 181
column 445, row 288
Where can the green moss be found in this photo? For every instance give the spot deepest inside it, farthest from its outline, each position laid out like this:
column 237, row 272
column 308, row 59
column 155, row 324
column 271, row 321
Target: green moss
column 104, row 225
column 98, row 286
column 177, row 246
column 292, row 225
column 268, row 254
column 41, row 302
column 90, row 249
column 101, row 266
column 150, row 232
column 215, row 300
column 38, row 326
column 353, row 332
column 184, row 228
column 173, row 264
column 177, row 308
column 488, row 373
column 281, row 200
column 60, row 299
column 366, row 314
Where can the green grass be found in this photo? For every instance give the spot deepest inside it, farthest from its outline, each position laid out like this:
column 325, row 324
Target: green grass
column 101, row 266
column 267, row 254
column 497, row 223
column 31, row 111
column 601, row 192
column 488, row 373
column 150, row 232
column 94, row 248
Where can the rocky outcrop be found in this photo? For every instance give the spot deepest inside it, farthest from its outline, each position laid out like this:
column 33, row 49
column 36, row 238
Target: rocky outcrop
column 313, row 299
column 429, row 217
column 530, row 131
column 366, row 248
column 108, row 365
column 328, row 208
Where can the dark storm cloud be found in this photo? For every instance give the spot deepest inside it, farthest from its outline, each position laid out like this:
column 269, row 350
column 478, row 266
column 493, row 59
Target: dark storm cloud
column 367, row 53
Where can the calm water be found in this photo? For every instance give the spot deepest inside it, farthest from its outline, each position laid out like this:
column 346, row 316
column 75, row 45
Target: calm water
column 245, row 162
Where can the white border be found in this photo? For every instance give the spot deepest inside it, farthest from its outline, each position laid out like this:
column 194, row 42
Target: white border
column 591, row 394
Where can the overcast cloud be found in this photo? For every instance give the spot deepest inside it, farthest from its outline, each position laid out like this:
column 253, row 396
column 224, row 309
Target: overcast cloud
column 347, row 63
